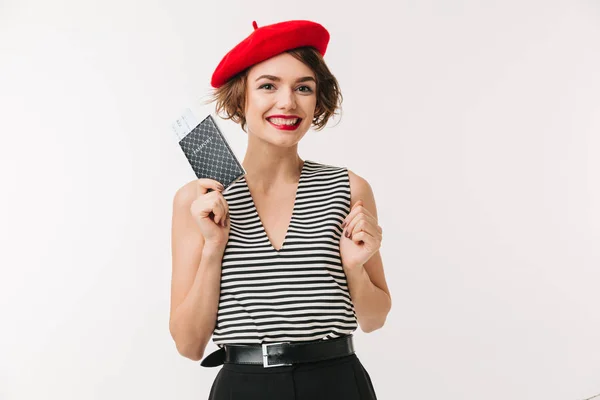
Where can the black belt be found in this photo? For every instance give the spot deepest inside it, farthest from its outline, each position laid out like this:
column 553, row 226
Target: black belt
column 280, row 353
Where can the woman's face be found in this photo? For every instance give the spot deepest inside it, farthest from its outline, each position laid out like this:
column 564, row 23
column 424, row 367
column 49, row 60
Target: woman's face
column 284, row 86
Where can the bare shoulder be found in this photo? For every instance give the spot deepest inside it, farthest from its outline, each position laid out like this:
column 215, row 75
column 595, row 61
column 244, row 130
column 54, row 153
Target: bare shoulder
column 186, row 194
column 360, row 189
column 184, row 228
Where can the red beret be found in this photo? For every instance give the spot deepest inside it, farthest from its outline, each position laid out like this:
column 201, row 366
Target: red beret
column 268, row 41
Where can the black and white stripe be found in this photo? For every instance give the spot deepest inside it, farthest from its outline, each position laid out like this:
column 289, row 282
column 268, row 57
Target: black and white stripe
column 300, row 292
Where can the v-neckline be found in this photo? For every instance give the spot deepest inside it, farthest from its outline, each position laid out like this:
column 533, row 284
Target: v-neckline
column 262, row 226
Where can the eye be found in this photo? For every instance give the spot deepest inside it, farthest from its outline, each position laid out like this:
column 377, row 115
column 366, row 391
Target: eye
column 266, row 84
column 308, row 87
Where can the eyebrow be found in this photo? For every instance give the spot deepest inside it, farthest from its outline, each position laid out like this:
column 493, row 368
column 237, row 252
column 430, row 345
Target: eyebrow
column 277, row 79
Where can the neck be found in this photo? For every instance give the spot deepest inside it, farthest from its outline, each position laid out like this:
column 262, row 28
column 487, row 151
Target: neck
column 268, row 172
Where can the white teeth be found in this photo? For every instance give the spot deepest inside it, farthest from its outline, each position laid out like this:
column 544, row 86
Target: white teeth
column 282, row 121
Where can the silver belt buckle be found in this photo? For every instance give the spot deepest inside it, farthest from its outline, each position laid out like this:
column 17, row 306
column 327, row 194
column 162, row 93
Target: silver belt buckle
column 265, row 355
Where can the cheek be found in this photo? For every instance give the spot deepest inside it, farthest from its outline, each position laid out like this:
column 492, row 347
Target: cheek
column 308, row 107
column 308, row 102
column 257, row 105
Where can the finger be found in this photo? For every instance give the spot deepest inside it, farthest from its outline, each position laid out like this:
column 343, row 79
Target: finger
column 349, row 217
column 367, row 239
column 203, row 206
column 224, row 203
column 217, row 205
column 364, row 209
column 369, row 242
column 371, row 227
column 219, row 211
column 225, row 210
column 227, row 218
column 363, row 226
column 204, row 184
column 356, row 209
column 353, row 211
column 357, row 218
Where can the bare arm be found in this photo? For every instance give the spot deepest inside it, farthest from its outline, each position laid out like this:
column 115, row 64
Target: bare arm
column 195, row 283
column 367, row 284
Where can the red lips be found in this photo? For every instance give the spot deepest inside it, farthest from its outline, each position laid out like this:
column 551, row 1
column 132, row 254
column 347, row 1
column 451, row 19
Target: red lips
column 283, row 126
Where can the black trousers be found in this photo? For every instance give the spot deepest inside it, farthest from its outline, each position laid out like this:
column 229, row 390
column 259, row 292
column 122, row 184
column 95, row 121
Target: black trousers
column 342, row 378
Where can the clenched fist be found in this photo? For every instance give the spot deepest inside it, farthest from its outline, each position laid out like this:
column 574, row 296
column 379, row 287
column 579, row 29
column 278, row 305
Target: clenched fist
column 211, row 212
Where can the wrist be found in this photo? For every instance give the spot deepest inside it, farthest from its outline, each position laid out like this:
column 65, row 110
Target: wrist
column 353, row 268
column 213, row 249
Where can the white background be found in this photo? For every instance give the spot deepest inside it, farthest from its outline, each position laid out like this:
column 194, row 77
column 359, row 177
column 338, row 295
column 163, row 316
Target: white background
column 477, row 125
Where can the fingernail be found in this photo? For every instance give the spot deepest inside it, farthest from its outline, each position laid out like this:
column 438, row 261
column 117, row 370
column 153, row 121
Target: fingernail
column 347, row 234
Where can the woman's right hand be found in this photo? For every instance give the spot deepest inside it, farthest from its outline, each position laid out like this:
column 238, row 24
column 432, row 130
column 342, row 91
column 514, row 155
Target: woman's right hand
column 211, row 212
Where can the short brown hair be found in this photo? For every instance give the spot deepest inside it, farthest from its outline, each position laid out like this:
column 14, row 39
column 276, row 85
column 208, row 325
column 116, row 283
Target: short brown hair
column 231, row 96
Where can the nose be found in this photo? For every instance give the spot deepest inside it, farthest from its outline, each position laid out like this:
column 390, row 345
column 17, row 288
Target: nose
column 286, row 99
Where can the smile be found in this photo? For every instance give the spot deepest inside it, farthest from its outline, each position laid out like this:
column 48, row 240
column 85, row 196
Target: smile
column 285, row 124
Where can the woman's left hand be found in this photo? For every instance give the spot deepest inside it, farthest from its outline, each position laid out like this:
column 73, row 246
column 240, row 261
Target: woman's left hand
column 365, row 237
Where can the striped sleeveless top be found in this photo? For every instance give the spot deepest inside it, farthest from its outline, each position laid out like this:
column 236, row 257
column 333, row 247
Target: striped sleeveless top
column 296, row 293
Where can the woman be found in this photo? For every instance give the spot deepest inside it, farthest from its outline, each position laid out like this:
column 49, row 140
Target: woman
column 282, row 267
